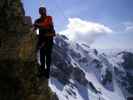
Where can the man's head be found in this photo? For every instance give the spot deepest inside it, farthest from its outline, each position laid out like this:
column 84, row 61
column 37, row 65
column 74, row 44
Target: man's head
column 42, row 11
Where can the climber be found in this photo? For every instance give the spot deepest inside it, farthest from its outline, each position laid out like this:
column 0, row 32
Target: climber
column 45, row 40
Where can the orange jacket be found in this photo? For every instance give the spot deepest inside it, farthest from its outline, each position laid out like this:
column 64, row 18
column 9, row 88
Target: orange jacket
column 47, row 22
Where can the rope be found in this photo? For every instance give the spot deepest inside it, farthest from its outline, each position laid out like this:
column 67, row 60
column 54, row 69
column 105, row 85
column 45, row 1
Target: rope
column 57, row 4
column 42, row 3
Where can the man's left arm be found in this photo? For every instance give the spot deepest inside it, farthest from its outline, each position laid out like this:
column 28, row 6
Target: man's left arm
column 51, row 25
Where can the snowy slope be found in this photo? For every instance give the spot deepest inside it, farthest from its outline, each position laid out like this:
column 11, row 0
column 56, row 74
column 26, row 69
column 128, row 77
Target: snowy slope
column 82, row 73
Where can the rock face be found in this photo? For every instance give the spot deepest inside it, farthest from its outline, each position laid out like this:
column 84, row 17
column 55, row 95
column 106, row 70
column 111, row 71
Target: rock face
column 13, row 30
column 64, row 69
column 126, row 77
column 18, row 67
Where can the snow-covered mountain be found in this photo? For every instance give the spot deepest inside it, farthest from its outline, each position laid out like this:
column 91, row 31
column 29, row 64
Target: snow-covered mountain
column 81, row 73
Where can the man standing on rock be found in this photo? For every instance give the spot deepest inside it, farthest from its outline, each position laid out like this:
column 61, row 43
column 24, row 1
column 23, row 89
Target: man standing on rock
column 45, row 41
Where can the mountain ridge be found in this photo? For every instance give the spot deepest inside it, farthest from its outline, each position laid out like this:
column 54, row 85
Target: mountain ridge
column 87, row 69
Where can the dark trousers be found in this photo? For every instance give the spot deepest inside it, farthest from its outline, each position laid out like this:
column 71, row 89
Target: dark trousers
column 45, row 55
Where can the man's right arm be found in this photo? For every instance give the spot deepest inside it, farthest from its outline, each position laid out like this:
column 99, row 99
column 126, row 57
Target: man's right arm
column 35, row 25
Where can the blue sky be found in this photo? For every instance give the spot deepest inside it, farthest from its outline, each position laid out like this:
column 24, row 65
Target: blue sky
column 115, row 15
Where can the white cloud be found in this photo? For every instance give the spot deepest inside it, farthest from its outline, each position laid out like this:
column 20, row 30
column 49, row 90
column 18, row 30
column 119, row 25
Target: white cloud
column 84, row 31
column 129, row 29
column 128, row 26
column 128, row 23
